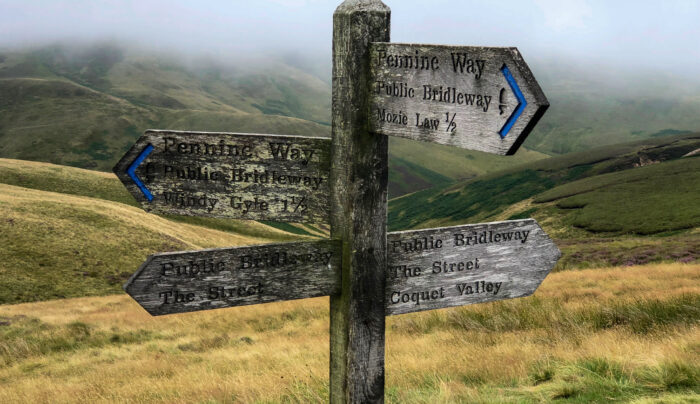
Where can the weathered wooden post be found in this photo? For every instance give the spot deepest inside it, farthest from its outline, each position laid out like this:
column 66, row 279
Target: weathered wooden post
column 359, row 177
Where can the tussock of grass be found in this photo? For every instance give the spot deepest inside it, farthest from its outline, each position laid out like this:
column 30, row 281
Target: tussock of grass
column 25, row 337
column 596, row 379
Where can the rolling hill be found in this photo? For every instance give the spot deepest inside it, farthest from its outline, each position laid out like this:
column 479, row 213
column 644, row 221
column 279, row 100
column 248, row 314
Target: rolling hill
column 586, row 200
column 593, row 105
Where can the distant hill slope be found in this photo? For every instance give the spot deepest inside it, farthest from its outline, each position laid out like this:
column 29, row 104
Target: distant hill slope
column 490, row 195
column 628, row 190
column 593, row 105
column 85, row 107
column 415, row 165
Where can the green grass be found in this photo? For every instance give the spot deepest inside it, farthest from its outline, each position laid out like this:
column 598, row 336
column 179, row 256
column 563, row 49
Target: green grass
column 622, row 198
column 647, row 200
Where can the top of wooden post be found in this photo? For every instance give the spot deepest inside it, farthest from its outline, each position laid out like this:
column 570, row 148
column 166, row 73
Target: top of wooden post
column 353, row 6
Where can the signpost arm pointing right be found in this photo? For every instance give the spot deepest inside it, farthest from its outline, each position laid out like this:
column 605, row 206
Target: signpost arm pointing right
column 359, row 177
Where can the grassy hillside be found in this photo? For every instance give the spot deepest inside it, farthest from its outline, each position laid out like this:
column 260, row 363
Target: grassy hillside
column 85, row 106
column 629, row 190
column 490, row 195
column 601, row 335
column 70, row 232
column 417, row 165
column 57, row 245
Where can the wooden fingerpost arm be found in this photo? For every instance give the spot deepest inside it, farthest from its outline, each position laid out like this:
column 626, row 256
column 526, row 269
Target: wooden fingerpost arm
column 359, row 178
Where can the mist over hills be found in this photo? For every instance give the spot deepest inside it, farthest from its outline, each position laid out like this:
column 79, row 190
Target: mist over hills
column 84, row 106
column 591, row 105
column 594, row 105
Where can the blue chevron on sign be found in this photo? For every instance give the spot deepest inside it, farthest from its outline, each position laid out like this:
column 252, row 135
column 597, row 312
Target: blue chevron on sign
column 131, row 171
column 522, row 102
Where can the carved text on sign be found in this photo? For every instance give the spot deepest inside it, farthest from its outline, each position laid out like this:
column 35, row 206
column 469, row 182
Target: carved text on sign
column 226, row 277
column 454, row 266
column 472, row 97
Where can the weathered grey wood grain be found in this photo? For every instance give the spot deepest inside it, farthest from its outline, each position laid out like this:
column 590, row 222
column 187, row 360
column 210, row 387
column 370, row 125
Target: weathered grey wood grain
column 453, row 95
column 359, row 176
column 227, row 277
column 241, row 176
column 455, row 266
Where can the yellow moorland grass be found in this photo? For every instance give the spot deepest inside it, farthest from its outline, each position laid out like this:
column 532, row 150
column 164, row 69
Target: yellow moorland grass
column 610, row 334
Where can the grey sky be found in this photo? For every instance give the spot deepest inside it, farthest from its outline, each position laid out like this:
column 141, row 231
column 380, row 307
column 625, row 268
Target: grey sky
column 622, row 33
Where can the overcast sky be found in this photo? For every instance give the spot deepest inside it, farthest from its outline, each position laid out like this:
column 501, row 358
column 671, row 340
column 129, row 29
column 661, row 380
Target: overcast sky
column 623, row 33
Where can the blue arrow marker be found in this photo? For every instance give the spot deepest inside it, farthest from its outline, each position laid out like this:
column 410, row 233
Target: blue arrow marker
column 522, row 103
column 132, row 172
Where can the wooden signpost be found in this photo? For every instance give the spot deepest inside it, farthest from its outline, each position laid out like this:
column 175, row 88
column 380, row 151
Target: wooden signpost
column 478, row 98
